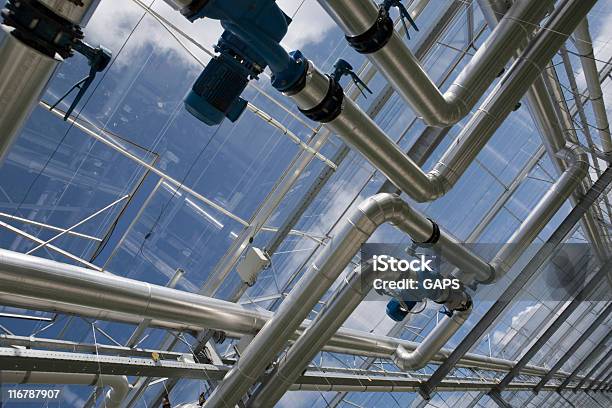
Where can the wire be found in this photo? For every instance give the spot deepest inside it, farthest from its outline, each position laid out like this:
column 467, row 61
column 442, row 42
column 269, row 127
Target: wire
column 63, row 138
column 174, row 191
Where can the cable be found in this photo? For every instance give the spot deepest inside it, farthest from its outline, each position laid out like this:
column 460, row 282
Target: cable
column 174, row 191
column 63, row 138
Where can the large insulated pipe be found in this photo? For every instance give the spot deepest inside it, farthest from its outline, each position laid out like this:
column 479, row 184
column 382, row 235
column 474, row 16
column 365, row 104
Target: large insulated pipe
column 355, row 230
column 329, row 320
column 368, row 29
column 353, row 291
column 126, row 300
column 119, row 384
column 25, row 71
column 584, row 45
column 552, row 129
column 360, row 132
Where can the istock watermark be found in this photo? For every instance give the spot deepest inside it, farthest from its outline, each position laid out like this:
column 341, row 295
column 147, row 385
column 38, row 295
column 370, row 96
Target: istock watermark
column 412, row 273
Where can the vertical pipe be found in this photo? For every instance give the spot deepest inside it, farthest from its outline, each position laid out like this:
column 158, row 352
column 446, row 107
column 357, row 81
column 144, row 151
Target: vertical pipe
column 584, row 45
column 25, row 72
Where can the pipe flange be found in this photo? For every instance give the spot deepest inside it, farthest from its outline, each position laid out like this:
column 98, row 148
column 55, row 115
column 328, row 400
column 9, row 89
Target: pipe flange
column 376, row 36
column 330, row 107
column 41, row 28
column 435, row 233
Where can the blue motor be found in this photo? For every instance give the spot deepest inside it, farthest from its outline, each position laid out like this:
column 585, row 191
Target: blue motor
column 216, row 93
column 397, row 310
column 250, row 42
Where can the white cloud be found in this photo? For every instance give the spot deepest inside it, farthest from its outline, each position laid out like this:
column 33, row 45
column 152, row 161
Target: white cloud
column 113, row 21
column 501, row 338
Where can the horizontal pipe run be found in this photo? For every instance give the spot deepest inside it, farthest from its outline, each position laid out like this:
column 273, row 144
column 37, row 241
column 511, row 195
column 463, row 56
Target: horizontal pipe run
column 104, row 303
column 363, row 134
column 119, row 384
column 403, row 71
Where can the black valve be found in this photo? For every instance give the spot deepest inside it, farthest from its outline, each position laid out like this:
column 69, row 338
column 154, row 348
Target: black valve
column 404, row 14
column 342, row 68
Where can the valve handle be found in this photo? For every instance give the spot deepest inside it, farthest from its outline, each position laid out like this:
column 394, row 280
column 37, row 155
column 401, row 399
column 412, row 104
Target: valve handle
column 98, row 59
column 342, row 68
column 404, row 14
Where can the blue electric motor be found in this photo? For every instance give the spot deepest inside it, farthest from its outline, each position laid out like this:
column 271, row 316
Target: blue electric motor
column 216, row 93
column 398, row 311
column 250, row 42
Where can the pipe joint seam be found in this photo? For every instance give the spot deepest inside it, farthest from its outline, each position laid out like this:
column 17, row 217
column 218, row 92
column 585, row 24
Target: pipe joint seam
column 331, row 105
column 435, row 234
column 376, row 37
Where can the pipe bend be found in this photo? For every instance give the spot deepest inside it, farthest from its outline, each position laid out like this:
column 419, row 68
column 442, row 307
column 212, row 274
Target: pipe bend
column 576, row 158
column 380, row 208
column 432, row 344
column 119, row 389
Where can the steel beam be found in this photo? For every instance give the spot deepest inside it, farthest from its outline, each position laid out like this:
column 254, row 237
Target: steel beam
column 541, row 257
column 498, row 399
column 311, row 380
column 598, row 349
column 556, row 324
column 579, row 342
column 593, row 370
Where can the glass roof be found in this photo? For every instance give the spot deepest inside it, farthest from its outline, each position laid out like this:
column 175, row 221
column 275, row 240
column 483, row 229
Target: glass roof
column 58, row 173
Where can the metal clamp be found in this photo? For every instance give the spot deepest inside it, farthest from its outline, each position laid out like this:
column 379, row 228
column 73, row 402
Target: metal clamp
column 40, row 28
column 376, row 36
column 330, row 107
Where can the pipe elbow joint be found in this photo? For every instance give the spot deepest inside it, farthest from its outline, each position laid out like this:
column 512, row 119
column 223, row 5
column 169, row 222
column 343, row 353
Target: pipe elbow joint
column 120, row 387
column 381, row 208
column 440, row 182
column 408, row 360
column 575, row 156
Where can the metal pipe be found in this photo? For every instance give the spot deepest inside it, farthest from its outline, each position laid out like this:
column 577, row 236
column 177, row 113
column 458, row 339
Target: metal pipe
column 119, row 384
column 435, row 340
column 329, row 320
column 403, row 71
column 315, row 282
column 584, row 45
column 347, row 298
column 25, row 71
column 126, row 300
column 545, row 116
column 542, row 213
column 361, row 133
column 542, row 255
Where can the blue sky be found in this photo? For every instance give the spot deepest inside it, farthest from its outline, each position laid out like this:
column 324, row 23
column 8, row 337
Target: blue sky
column 235, row 165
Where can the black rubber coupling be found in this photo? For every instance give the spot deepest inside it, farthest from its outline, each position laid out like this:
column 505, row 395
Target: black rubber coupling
column 376, row 36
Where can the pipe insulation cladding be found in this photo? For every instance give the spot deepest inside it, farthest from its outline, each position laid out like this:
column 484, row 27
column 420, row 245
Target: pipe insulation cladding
column 361, row 22
column 361, row 133
column 25, row 71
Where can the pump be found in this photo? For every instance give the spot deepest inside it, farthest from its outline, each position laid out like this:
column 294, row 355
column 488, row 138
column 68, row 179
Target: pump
column 249, row 44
